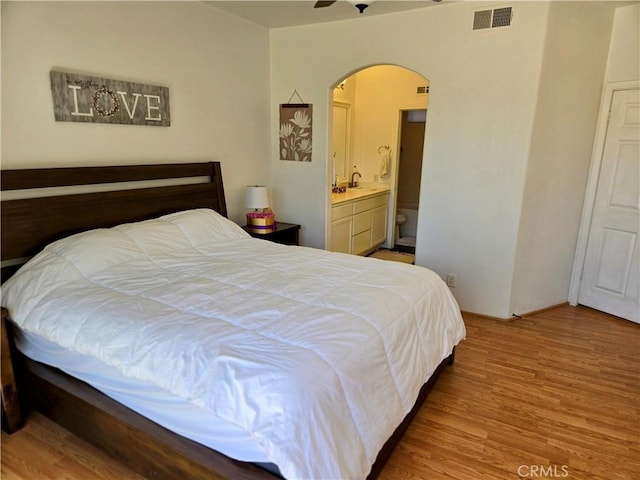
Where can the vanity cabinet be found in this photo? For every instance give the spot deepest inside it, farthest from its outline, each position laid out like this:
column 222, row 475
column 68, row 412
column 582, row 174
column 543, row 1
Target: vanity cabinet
column 379, row 220
column 359, row 225
column 341, row 228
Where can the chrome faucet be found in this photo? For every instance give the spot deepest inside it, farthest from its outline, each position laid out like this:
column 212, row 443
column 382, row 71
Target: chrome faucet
column 354, row 183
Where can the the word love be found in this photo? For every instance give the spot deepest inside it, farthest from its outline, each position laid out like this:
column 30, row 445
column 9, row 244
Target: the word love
column 79, row 98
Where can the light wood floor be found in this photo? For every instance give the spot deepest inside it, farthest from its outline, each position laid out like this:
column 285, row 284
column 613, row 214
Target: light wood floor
column 555, row 395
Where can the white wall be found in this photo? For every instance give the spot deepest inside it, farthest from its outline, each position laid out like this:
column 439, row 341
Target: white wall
column 624, row 56
column 382, row 91
column 623, row 69
column 571, row 81
column 481, row 110
column 216, row 68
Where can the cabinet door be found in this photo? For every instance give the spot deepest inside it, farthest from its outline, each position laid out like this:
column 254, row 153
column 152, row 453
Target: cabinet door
column 378, row 225
column 361, row 242
column 361, row 222
column 341, row 235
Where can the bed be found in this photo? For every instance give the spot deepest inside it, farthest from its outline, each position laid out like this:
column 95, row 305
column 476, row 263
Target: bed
column 152, row 326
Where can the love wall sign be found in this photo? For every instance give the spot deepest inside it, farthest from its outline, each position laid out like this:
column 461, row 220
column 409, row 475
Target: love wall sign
column 80, row 98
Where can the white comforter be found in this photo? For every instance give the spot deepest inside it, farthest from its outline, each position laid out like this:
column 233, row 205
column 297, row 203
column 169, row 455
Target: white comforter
column 317, row 355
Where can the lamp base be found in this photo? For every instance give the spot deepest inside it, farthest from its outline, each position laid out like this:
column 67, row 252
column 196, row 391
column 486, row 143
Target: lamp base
column 261, row 222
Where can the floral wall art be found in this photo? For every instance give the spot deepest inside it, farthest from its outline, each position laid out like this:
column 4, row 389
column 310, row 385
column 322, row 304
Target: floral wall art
column 295, row 132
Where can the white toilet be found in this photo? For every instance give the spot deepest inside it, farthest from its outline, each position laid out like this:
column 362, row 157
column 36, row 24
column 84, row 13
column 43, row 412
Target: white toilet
column 401, row 219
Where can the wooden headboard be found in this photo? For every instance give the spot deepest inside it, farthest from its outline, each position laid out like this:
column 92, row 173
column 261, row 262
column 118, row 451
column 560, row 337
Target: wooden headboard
column 34, row 215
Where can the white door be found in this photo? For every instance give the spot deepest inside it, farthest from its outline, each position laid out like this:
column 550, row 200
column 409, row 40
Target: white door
column 610, row 278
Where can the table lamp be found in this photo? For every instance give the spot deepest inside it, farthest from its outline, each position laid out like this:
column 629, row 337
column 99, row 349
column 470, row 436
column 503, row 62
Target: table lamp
column 261, row 219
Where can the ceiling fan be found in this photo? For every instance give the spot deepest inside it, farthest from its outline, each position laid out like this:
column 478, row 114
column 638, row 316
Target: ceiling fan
column 359, row 4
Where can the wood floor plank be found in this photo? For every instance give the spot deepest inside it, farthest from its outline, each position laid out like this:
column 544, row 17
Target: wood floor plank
column 556, row 390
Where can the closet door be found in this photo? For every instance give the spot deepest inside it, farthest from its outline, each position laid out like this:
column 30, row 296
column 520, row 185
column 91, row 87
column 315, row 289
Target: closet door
column 610, row 277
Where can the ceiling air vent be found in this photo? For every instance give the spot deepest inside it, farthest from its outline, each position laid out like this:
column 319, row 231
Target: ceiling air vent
column 422, row 90
column 489, row 19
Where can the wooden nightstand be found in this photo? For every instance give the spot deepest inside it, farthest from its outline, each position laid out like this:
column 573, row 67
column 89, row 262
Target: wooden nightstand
column 285, row 233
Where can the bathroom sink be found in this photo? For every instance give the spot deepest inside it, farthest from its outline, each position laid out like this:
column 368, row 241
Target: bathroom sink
column 362, row 189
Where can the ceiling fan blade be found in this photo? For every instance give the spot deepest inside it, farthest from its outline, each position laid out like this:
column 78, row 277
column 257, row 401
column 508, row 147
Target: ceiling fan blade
column 322, row 4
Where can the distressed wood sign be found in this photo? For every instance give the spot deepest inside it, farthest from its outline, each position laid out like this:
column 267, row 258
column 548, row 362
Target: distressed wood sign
column 80, row 98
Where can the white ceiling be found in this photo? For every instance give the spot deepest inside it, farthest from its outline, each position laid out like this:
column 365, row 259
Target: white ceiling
column 288, row 13
column 275, row 14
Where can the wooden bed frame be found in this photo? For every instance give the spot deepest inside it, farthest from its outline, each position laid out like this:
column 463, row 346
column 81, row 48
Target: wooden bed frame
column 28, row 224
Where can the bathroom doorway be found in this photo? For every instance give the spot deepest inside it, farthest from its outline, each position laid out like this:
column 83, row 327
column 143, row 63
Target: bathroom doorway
column 411, row 143
column 375, row 98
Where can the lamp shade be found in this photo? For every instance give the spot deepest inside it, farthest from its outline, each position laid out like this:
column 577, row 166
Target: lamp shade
column 257, row 197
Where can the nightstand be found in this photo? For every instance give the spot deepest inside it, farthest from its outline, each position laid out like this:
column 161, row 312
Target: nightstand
column 285, row 233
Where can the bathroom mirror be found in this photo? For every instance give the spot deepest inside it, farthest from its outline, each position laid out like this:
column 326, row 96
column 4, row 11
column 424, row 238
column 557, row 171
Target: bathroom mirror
column 340, row 140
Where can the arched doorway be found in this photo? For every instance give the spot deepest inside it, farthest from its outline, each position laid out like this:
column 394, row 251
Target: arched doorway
column 367, row 123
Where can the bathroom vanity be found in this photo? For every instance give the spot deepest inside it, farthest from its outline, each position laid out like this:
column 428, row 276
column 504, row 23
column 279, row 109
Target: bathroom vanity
column 359, row 220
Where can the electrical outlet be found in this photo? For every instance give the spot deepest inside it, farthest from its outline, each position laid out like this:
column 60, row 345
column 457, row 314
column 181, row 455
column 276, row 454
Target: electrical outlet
column 451, row 280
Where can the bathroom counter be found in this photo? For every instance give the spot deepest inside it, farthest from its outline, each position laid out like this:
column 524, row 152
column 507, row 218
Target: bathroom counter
column 358, row 193
column 359, row 219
